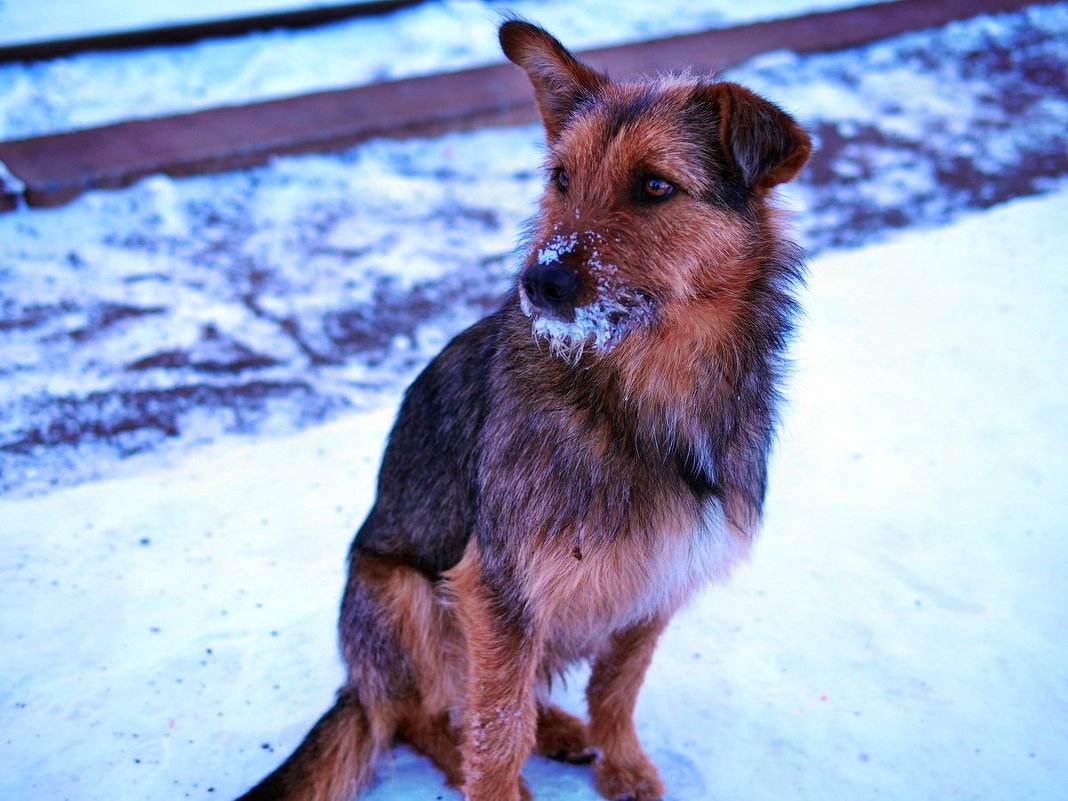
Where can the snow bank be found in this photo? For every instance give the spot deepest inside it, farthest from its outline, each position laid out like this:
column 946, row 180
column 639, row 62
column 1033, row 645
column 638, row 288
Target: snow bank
column 900, row 633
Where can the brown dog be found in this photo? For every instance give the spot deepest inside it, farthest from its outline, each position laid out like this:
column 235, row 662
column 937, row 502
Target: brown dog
column 568, row 471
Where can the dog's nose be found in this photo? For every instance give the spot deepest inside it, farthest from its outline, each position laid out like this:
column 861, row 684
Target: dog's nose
column 550, row 285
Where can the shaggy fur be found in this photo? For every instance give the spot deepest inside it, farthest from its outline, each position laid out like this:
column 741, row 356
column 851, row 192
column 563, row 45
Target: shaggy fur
column 571, row 469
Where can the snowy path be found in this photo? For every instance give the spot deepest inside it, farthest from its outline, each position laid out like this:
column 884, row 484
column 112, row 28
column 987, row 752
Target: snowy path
column 900, row 634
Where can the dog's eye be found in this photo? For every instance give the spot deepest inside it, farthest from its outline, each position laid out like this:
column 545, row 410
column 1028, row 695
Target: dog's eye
column 561, row 179
column 657, row 189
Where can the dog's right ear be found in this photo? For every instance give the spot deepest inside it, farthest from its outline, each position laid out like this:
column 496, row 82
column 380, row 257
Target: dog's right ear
column 560, row 80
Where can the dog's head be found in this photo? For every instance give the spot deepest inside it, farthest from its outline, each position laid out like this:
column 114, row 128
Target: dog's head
column 655, row 194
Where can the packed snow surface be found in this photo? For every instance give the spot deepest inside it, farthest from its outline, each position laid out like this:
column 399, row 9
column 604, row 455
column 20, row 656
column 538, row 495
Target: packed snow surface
column 900, row 633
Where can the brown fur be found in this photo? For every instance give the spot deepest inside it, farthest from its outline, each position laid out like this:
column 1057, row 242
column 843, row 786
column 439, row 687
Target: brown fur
column 570, row 470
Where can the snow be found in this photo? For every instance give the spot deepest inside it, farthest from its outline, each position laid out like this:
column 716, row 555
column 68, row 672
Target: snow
column 97, row 88
column 21, row 21
column 311, row 261
column 556, row 247
column 899, row 634
column 592, row 325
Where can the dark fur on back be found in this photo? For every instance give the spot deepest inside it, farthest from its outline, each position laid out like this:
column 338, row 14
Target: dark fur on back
column 571, row 469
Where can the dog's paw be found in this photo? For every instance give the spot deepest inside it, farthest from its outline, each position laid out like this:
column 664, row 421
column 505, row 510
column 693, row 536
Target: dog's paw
column 563, row 737
column 635, row 781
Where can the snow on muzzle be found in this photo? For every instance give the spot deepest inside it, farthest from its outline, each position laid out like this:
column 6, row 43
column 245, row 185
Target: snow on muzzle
column 577, row 299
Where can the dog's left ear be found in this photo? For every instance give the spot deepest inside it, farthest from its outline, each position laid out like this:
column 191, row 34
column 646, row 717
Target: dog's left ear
column 767, row 145
column 560, row 80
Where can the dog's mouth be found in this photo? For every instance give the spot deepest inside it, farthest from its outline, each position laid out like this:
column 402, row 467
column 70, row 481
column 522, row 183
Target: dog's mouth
column 576, row 299
column 600, row 324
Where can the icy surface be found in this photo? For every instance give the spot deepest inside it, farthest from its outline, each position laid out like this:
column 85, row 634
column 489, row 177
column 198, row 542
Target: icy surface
column 98, row 88
column 276, row 297
column 899, row 634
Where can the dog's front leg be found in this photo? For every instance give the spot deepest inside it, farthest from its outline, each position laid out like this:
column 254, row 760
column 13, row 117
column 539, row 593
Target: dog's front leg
column 500, row 714
column 623, row 770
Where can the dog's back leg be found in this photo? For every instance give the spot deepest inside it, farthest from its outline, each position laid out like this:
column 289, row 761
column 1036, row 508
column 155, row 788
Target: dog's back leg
column 436, row 737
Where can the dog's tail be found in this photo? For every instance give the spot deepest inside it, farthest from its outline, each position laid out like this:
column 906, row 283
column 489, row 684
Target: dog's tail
column 335, row 760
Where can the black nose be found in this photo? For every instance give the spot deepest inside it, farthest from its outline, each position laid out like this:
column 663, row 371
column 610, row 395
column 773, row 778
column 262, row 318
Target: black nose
column 550, row 285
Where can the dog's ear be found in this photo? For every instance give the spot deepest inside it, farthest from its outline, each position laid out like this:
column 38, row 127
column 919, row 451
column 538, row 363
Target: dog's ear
column 766, row 144
column 560, row 80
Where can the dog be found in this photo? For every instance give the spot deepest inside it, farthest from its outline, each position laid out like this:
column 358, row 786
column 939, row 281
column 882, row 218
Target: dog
column 567, row 472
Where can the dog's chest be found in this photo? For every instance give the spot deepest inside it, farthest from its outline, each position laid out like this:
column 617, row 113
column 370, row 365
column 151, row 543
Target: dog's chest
column 614, row 584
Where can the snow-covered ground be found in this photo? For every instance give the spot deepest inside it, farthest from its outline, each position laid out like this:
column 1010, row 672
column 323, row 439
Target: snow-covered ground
column 23, row 21
column 901, row 632
column 217, row 361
